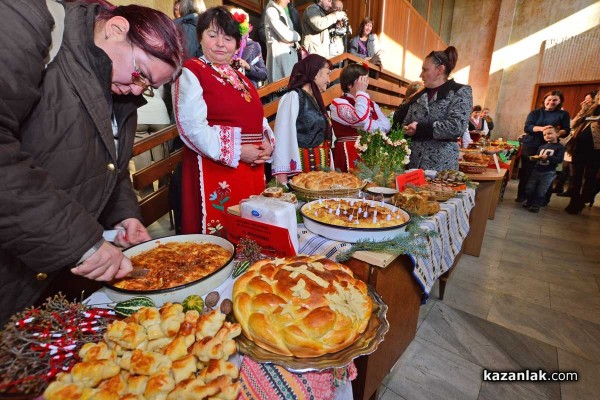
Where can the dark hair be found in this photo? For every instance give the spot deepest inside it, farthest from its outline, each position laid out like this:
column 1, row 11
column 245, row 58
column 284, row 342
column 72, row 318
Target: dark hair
column 150, row 30
column 447, row 58
column 364, row 22
column 304, row 72
column 350, row 73
column 476, row 108
column 592, row 94
column 223, row 20
column 187, row 7
column 557, row 93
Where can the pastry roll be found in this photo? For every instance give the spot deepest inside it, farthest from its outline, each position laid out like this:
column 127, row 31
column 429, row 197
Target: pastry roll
column 209, row 324
column 177, row 348
column 216, row 368
column 91, row 373
column 184, row 368
column 148, row 363
column 136, row 384
column 159, row 385
column 97, row 351
column 128, row 335
column 171, row 318
column 193, row 389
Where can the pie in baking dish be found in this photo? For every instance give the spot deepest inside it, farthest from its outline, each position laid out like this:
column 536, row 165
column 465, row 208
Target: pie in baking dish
column 354, row 213
column 175, row 263
column 303, row 306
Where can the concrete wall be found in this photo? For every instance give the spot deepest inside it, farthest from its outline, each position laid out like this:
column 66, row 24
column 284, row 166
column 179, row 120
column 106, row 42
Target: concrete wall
column 520, row 28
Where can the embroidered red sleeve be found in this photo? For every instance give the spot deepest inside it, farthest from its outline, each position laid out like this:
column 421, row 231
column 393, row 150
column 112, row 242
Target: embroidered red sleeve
column 226, row 137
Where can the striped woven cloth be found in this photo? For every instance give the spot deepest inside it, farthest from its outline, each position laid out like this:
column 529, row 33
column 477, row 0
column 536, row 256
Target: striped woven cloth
column 451, row 222
column 271, row 382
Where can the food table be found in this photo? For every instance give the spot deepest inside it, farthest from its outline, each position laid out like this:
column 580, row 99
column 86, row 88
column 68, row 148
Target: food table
column 404, row 283
column 486, row 201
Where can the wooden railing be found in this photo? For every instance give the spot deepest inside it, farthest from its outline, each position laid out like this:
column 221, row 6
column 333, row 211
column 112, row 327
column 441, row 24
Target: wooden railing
column 387, row 90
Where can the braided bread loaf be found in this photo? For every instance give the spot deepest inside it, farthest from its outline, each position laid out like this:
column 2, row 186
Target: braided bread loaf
column 303, row 306
column 320, row 180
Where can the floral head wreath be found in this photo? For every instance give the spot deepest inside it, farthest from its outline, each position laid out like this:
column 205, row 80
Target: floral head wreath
column 364, row 64
column 243, row 19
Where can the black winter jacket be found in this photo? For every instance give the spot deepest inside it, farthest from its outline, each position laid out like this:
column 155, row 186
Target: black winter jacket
column 61, row 180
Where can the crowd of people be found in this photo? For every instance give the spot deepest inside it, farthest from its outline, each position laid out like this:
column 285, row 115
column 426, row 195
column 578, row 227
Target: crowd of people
column 68, row 155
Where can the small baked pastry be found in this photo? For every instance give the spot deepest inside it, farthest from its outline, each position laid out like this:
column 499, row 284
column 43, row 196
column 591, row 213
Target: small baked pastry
column 273, row 192
column 303, row 306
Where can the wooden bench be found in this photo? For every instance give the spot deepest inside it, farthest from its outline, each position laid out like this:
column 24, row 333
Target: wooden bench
column 387, row 91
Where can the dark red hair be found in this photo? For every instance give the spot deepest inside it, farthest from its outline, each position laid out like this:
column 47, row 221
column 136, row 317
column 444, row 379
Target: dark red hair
column 149, row 29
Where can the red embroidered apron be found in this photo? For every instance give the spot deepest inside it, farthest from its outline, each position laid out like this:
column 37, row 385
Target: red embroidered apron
column 345, row 154
column 209, row 187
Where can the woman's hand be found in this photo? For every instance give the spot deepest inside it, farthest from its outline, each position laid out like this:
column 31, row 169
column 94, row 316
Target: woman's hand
column 106, row 264
column 411, row 128
column 244, row 64
column 586, row 104
column 266, row 150
column 135, row 233
column 361, row 83
column 251, row 154
column 541, row 128
column 282, row 178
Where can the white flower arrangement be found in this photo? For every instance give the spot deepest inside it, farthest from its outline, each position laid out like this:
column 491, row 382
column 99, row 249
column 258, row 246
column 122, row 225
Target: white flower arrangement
column 382, row 155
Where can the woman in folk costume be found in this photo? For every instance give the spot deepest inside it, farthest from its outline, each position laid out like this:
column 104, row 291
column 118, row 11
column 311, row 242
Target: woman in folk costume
column 477, row 124
column 351, row 112
column 303, row 127
column 220, row 119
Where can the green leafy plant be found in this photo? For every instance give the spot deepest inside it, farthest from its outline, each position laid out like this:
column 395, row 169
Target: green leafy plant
column 383, row 156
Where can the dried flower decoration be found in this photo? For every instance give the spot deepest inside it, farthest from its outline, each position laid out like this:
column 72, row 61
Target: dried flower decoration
column 242, row 18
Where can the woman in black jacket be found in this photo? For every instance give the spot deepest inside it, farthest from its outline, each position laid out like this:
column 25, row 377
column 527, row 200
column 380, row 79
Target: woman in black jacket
column 66, row 136
column 550, row 114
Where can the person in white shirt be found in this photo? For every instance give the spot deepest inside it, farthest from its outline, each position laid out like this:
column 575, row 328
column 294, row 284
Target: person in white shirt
column 352, row 112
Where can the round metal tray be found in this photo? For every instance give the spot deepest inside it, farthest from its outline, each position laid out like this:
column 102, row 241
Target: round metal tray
column 366, row 343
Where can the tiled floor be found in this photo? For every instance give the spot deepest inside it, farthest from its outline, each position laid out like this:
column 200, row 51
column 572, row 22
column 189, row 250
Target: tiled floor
column 530, row 301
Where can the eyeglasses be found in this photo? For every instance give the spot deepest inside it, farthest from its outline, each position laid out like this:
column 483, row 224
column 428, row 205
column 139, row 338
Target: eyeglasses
column 138, row 78
column 436, row 58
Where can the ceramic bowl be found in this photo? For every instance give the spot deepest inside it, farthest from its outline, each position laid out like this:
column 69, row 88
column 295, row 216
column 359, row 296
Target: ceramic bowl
column 200, row 286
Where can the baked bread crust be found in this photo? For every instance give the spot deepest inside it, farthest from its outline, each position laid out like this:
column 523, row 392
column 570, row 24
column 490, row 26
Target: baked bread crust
column 320, row 180
column 303, row 306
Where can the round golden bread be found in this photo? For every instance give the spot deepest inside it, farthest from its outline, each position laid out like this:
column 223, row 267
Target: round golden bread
column 303, row 306
column 320, row 180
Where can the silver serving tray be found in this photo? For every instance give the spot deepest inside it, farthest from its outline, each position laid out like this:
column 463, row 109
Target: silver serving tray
column 366, row 344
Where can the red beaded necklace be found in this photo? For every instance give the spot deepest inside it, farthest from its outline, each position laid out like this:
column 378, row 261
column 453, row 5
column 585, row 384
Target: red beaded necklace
column 228, row 75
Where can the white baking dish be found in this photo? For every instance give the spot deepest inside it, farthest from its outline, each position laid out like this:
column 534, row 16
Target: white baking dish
column 351, row 234
column 200, row 287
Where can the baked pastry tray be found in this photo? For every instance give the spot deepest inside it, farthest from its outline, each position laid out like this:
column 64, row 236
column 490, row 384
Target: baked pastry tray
column 366, row 344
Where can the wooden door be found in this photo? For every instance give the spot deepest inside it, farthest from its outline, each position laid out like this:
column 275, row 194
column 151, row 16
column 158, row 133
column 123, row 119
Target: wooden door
column 573, row 92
